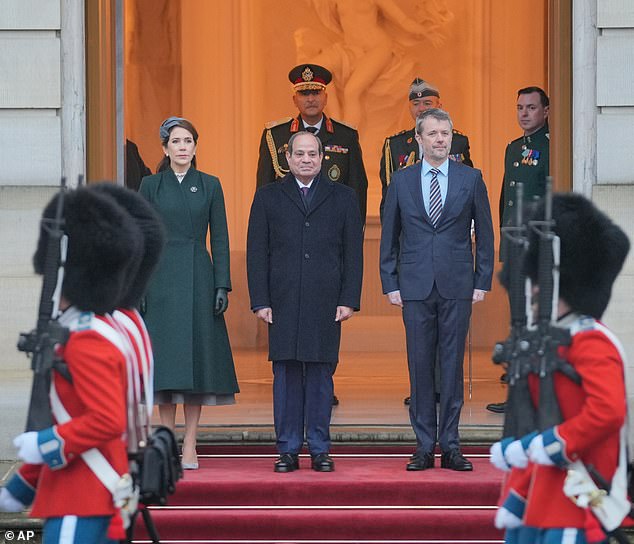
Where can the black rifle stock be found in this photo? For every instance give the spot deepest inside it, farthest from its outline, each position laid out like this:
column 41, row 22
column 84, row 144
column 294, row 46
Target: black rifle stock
column 533, row 349
column 519, row 416
column 549, row 338
column 40, row 343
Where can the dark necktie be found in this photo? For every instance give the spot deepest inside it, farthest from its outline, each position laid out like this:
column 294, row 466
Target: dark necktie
column 435, row 199
column 304, row 191
column 312, row 130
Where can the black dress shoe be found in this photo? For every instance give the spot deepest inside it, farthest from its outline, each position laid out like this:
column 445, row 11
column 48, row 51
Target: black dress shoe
column 287, row 462
column 335, row 400
column 497, row 407
column 322, row 462
column 421, row 461
column 454, row 460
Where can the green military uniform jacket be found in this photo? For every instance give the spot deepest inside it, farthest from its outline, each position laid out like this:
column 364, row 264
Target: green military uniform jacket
column 526, row 161
column 342, row 162
column 402, row 150
column 190, row 343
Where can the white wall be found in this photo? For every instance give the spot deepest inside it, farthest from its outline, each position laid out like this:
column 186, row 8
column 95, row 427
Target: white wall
column 603, row 129
column 42, row 138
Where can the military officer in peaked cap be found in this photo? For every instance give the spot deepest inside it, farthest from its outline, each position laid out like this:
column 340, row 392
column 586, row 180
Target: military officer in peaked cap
column 402, row 149
column 342, row 160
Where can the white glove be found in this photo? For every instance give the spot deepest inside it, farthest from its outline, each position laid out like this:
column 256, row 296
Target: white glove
column 8, row 503
column 505, row 519
column 515, row 455
column 497, row 457
column 28, row 449
column 537, row 453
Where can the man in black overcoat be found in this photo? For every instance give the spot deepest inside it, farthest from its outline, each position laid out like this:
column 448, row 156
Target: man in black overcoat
column 305, row 267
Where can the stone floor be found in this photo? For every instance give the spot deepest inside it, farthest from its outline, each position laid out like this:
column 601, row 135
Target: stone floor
column 370, row 386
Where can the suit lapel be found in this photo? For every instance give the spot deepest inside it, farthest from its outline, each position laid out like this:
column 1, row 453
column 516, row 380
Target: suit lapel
column 290, row 189
column 416, row 189
column 322, row 192
column 455, row 181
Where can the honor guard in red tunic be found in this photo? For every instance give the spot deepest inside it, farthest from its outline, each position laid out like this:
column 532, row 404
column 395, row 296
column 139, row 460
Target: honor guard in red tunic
column 342, row 162
column 76, row 472
column 553, row 494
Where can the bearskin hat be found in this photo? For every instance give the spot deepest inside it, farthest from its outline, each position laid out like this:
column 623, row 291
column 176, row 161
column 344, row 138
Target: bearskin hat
column 104, row 249
column 593, row 250
column 153, row 233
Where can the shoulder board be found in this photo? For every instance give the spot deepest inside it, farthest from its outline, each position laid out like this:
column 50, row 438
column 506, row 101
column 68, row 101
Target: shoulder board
column 398, row 134
column 456, row 131
column 520, row 139
column 344, row 124
column 272, row 124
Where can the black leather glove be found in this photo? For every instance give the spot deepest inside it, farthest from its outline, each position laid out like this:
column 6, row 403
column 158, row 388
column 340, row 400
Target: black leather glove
column 222, row 301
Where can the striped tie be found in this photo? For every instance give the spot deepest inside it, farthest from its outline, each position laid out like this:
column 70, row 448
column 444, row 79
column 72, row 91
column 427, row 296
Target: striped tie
column 435, row 199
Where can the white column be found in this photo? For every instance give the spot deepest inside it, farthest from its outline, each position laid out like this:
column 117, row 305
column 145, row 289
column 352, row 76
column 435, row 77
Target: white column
column 584, row 92
column 73, row 111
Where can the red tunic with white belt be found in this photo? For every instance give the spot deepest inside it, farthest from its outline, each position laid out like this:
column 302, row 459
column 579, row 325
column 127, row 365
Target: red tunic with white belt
column 593, row 413
column 96, row 402
column 140, row 394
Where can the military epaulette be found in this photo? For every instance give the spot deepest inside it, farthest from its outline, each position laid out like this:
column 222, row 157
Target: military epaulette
column 516, row 140
column 272, row 124
column 344, row 124
column 456, row 131
column 397, row 134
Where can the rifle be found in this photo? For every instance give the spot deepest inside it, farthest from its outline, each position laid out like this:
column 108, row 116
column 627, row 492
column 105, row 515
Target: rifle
column 40, row 343
column 519, row 417
column 533, row 349
column 548, row 338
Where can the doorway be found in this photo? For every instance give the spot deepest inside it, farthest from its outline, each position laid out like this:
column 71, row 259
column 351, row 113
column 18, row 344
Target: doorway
column 224, row 65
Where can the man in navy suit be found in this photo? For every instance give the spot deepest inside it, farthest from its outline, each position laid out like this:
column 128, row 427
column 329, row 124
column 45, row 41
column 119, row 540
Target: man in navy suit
column 304, row 268
column 427, row 268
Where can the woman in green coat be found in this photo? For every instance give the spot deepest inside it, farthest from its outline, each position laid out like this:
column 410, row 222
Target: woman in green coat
column 187, row 295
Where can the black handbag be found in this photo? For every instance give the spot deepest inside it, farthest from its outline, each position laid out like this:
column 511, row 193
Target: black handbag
column 159, row 467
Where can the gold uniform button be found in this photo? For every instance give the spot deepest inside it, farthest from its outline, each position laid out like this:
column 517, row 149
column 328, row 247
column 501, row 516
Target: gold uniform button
column 516, row 164
column 327, row 157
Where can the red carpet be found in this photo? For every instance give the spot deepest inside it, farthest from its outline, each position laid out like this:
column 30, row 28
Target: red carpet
column 236, row 497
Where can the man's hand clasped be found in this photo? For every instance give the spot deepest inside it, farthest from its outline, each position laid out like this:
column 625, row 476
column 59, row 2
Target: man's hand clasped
column 265, row 314
column 478, row 295
column 395, row 298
